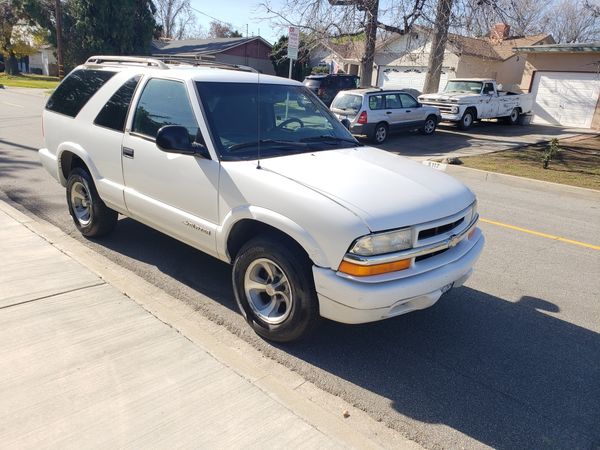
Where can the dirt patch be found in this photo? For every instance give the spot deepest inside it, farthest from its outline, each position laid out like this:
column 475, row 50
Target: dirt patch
column 578, row 164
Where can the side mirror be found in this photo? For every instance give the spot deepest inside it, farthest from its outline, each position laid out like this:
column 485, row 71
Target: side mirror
column 176, row 139
column 346, row 123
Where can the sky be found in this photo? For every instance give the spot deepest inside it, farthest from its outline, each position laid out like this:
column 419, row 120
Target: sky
column 238, row 13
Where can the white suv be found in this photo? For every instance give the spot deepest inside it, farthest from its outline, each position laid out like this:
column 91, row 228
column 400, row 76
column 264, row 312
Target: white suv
column 255, row 171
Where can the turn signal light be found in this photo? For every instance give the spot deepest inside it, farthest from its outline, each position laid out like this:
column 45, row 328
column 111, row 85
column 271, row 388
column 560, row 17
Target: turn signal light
column 362, row 118
column 358, row 270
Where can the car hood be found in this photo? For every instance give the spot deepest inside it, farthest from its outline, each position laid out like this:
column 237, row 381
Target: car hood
column 460, row 97
column 385, row 190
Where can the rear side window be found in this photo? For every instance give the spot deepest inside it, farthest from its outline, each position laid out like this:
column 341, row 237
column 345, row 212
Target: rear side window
column 376, row 102
column 75, row 91
column 164, row 102
column 114, row 113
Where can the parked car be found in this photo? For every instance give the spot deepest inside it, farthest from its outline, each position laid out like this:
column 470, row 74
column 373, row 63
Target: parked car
column 465, row 100
column 327, row 86
column 255, row 171
column 376, row 113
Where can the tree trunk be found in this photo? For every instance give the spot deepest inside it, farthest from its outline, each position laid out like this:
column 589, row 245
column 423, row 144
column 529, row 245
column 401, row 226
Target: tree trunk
column 438, row 46
column 366, row 63
column 12, row 65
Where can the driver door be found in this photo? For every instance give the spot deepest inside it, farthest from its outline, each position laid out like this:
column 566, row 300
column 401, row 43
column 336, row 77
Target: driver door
column 174, row 193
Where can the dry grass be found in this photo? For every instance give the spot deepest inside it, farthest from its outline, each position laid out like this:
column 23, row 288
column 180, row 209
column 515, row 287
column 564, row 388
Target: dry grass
column 578, row 164
column 29, row 81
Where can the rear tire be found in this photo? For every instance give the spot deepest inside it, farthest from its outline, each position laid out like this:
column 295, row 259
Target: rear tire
column 513, row 119
column 380, row 133
column 91, row 216
column 429, row 126
column 274, row 289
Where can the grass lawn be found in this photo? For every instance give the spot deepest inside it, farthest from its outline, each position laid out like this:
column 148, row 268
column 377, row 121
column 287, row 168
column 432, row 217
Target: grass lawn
column 29, row 81
column 578, row 164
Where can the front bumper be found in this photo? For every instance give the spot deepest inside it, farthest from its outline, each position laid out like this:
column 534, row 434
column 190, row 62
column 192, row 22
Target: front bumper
column 451, row 117
column 352, row 301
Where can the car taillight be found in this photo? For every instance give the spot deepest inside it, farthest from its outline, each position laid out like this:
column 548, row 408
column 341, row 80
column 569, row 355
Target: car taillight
column 363, row 117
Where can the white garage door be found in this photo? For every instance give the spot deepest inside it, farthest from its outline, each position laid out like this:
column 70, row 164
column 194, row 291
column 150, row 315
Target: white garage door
column 565, row 98
column 406, row 77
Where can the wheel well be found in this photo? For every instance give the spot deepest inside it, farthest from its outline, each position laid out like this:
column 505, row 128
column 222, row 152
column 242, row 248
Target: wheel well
column 383, row 122
column 68, row 161
column 247, row 229
column 432, row 116
column 473, row 110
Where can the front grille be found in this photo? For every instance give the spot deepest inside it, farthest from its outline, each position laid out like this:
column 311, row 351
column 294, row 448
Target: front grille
column 443, row 108
column 430, row 255
column 431, row 232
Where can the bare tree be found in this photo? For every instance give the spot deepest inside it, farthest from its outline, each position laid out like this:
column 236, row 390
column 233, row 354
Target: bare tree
column 572, row 21
column 222, row 30
column 323, row 20
column 438, row 46
column 176, row 18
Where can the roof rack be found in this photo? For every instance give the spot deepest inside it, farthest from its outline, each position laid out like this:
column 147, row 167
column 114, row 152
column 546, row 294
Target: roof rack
column 203, row 62
column 103, row 59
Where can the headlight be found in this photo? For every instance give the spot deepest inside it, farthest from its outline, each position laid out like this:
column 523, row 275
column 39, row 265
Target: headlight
column 471, row 214
column 454, row 110
column 380, row 243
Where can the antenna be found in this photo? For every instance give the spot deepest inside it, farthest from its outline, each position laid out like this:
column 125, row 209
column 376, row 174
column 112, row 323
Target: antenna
column 258, row 118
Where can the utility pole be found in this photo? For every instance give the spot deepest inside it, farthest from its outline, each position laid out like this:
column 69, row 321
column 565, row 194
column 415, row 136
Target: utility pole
column 438, row 46
column 59, row 44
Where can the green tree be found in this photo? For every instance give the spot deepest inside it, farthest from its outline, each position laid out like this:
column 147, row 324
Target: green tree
column 113, row 27
column 281, row 62
column 14, row 36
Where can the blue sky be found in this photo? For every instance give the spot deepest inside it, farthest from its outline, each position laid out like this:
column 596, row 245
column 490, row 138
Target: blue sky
column 238, row 13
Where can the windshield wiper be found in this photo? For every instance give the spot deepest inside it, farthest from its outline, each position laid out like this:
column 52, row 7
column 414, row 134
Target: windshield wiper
column 266, row 141
column 326, row 137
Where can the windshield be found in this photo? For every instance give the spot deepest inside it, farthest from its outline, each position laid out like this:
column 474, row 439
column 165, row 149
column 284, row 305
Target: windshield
column 347, row 102
column 464, row 86
column 281, row 119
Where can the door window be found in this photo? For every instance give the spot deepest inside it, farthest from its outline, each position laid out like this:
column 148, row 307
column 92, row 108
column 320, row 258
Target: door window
column 164, row 102
column 488, row 88
column 408, row 101
column 113, row 114
column 392, row 101
column 376, row 102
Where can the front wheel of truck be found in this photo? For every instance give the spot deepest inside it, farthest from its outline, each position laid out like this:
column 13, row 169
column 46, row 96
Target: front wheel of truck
column 274, row 289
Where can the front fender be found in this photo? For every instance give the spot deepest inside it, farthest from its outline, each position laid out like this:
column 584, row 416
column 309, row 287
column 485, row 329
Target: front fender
column 276, row 220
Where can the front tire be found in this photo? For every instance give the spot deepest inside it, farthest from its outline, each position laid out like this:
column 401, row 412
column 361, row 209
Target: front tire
column 429, row 126
column 274, row 289
column 467, row 120
column 91, row 216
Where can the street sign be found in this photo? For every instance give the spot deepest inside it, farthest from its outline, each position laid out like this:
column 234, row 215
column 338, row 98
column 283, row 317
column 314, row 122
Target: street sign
column 293, row 42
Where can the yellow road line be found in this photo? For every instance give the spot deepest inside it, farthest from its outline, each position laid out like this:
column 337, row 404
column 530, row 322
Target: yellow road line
column 537, row 233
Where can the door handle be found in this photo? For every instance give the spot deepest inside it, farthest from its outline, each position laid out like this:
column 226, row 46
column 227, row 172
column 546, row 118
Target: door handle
column 128, row 152
column 407, row 111
column 388, row 112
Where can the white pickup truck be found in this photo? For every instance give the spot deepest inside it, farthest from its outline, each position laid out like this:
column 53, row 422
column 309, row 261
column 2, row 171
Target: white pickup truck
column 465, row 100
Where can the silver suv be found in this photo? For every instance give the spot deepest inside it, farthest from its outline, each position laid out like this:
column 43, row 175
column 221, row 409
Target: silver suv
column 376, row 113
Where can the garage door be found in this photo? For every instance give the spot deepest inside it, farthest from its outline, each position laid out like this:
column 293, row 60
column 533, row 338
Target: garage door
column 406, row 77
column 565, row 98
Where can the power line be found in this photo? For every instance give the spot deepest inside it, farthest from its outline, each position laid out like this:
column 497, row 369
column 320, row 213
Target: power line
column 209, row 16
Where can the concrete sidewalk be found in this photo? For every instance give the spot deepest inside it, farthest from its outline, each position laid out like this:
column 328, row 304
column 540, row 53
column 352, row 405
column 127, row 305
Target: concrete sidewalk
column 82, row 364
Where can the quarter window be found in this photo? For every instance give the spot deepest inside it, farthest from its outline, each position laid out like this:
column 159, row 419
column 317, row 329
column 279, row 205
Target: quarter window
column 164, row 102
column 75, row 91
column 114, row 113
column 408, row 101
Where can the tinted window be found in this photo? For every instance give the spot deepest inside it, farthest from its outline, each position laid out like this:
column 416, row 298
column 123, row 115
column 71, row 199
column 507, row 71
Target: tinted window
column 408, row 101
column 392, row 101
column 164, row 102
column 376, row 102
column 114, row 113
column 75, row 91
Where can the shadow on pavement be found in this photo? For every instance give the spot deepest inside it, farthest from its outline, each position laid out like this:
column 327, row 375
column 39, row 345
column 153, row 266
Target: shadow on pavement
column 508, row 375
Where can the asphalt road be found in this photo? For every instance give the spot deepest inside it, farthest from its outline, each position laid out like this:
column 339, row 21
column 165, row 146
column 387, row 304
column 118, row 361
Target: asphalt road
column 511, row 360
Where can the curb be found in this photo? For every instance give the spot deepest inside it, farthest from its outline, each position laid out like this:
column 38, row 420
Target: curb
column 503, row 177
column 318, row 408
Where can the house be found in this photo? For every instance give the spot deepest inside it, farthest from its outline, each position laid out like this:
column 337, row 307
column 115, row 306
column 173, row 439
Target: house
column 251, row 51
column 43, row 61
column 402, row 61
column 565, row 82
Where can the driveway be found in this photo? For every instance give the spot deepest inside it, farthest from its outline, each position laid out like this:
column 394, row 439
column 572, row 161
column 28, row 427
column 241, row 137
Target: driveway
column 483, row 137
